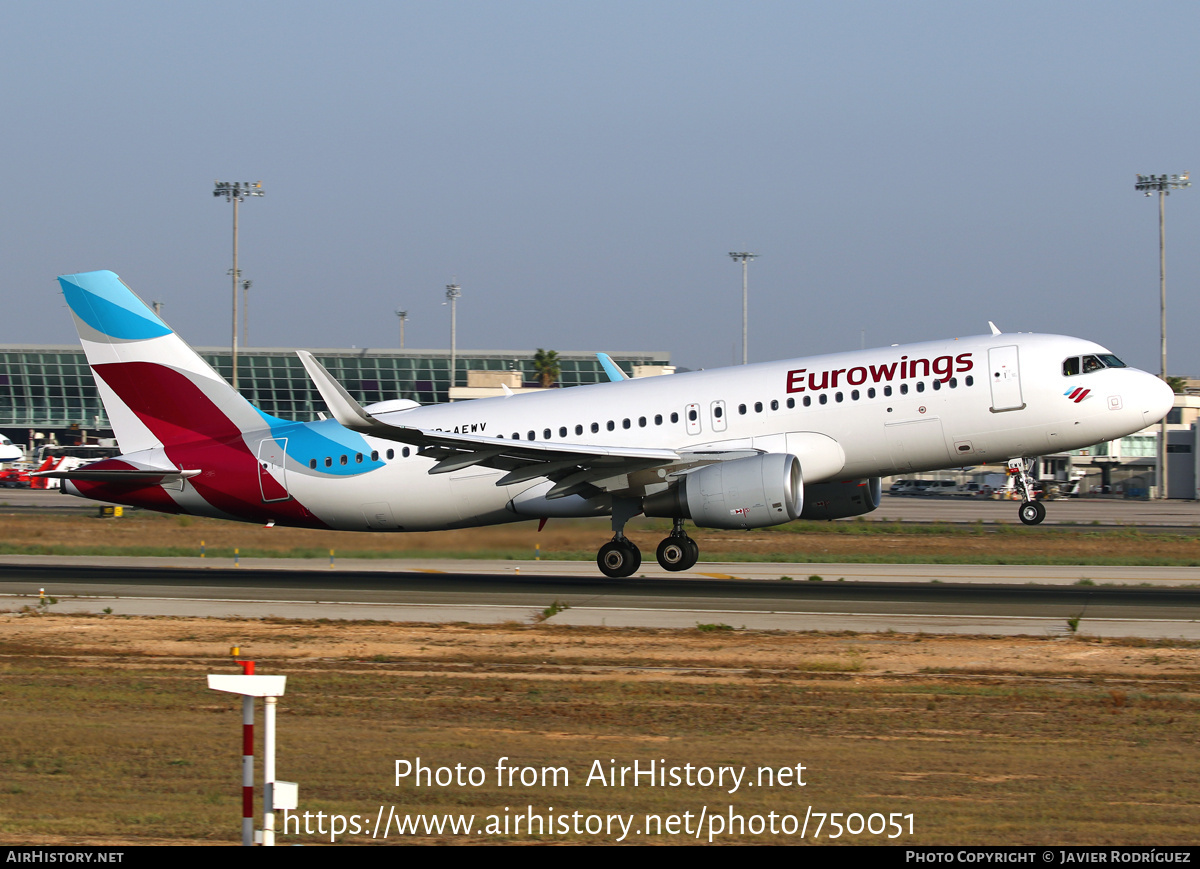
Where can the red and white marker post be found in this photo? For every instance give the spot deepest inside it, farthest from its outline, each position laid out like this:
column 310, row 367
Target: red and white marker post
column 270, row 688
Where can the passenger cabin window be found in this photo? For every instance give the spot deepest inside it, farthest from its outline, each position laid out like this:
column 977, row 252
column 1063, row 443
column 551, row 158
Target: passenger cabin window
column 674, row 417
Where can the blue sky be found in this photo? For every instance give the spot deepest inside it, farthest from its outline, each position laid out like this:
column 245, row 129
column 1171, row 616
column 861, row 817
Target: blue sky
column 905, row 170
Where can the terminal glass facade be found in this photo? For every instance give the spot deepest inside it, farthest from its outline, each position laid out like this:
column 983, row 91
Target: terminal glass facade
column 52, row 387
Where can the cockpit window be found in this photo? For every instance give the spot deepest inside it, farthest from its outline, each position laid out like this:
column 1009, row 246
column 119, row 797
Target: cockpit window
column 1088, row 364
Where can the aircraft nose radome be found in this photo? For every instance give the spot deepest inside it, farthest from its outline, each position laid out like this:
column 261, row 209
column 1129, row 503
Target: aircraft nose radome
column 1158, row 399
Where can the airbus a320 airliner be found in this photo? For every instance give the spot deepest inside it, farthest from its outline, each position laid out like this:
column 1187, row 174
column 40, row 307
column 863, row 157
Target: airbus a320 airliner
column 742, row 447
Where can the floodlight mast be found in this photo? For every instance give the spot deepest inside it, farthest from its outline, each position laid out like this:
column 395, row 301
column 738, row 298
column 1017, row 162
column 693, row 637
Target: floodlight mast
column 453, row 292
column 1162, row 185
column 246, row 285
column 235, row 192
column 403, row 316
column 745, row 257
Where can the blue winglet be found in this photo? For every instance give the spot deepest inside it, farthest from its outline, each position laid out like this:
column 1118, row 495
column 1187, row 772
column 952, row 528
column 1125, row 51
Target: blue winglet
column 610, row 368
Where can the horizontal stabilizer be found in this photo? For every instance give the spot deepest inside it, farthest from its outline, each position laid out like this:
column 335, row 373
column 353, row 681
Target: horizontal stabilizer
column 133, row 475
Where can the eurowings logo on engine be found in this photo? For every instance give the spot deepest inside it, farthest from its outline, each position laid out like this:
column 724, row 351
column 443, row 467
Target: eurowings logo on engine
column 1077, row 394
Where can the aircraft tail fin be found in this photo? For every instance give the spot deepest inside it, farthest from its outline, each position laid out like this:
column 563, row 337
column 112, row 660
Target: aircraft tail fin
column 155, row 388
column 615, row 374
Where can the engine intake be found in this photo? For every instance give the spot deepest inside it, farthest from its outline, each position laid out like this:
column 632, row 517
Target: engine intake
column 744, row 493
column 843, row 499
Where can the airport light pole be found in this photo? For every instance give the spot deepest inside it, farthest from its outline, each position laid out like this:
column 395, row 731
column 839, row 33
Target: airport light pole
column 236, row 192
column 745, row 258
column 1162, row 185
column 453, row 291
column 403, row 316
column 246, row 312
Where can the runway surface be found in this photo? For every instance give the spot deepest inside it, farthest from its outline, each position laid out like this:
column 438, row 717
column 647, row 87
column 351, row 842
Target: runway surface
column 931, row 598
column 1074, row 511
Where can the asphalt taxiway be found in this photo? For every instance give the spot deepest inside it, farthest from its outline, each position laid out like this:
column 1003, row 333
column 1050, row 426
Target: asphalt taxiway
column 955, row 599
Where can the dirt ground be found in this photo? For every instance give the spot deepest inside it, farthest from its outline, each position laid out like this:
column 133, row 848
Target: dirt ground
column 108, row 734
column 142, row 642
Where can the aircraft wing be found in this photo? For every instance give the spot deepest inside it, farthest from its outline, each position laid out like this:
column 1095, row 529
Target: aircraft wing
column 574, row 468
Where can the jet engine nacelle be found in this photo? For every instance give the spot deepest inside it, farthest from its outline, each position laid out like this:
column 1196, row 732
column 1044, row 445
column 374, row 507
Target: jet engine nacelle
column 839, row 500
column 743, row 493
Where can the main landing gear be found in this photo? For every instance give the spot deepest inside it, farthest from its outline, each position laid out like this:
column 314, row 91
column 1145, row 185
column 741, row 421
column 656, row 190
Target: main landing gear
column 678, row 552
column 1032, row 512
column 620, row 557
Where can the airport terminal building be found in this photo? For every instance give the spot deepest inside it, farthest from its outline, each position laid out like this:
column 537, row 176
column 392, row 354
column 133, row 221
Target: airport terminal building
column 49, row 390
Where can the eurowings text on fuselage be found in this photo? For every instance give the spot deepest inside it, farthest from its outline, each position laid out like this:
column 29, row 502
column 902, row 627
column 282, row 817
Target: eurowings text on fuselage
column 738, row 447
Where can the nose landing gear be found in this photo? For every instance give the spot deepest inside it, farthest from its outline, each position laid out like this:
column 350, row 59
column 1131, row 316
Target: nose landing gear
column 1032, row 512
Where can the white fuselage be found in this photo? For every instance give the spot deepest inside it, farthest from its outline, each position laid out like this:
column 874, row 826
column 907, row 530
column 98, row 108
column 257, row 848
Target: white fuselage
column 854, row 415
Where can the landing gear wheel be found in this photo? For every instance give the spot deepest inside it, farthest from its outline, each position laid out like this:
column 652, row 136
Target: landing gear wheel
column 1033, row 512
column 619, row 558
column 678, row 553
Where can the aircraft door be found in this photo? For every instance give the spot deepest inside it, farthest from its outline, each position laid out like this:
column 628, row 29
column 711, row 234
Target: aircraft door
column 718, row 416
column 272, row 469
column 691, row 415
column 1004, row 373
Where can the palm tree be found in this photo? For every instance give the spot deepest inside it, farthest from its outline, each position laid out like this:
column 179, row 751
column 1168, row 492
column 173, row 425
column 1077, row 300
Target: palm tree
column 545, row 363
